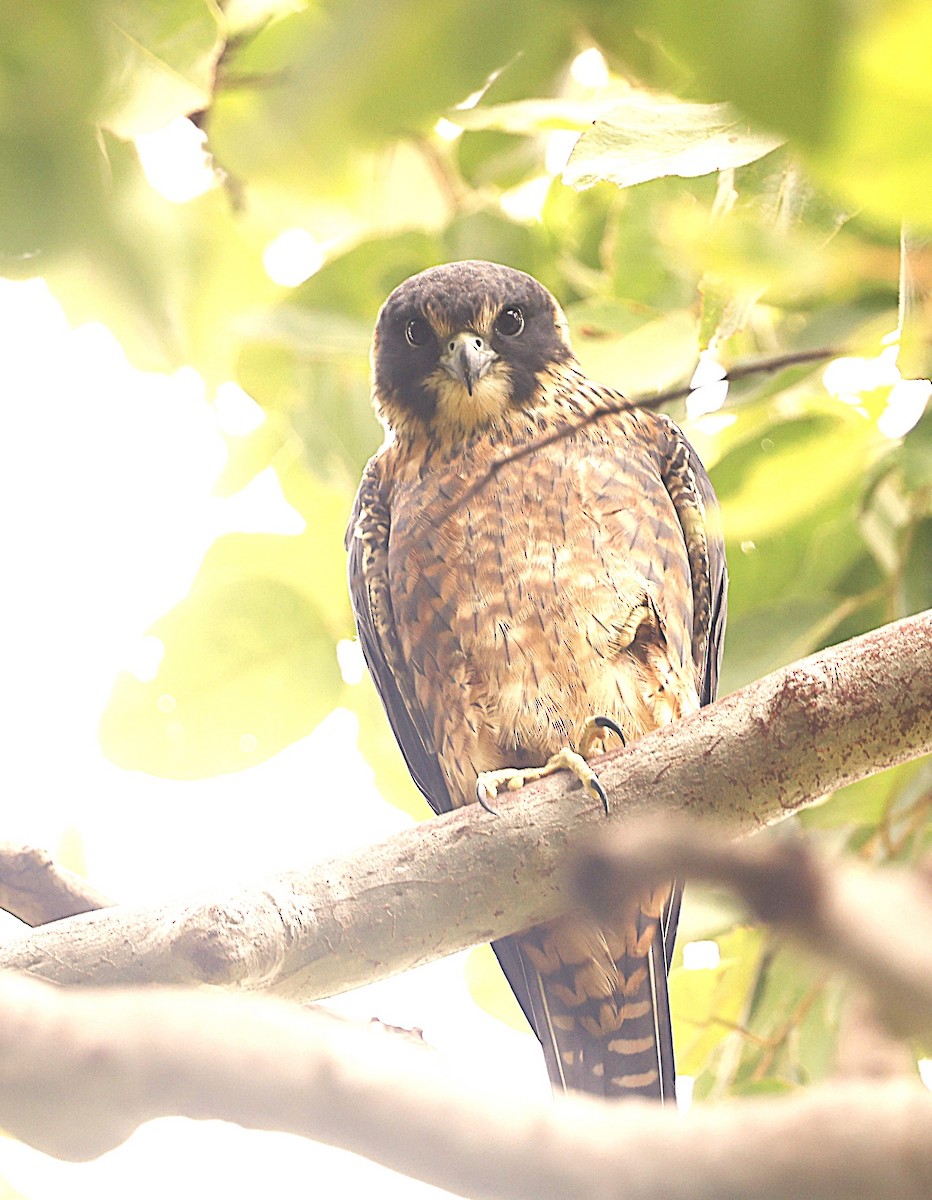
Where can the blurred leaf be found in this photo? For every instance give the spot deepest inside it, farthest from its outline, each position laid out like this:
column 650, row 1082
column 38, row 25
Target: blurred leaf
column 658, row 354
column 183, row 303
column 69, row 853
column 490, row 990
column 772, row 635
column 489, row 234
column 917, row 581
column 594, row 320
column 915, row 456
column 51, row 183
column 529, row 116
column 867, row 802
column 377, row 743
column 326, row 403
column 163, row 57
column 248, row 669
column 793, row 1023
column 779, row 64
column 251, row 453
column 647, row 137
column 355, row 283
column 749, row 251
column 488, row 158
column 317, row 81
column 709, row 1005
column 9, row 1192
column 249, row 664
column 880, row 152
column 775, row 480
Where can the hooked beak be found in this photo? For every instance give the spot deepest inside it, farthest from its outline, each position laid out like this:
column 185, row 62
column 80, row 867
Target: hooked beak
column 467, row 357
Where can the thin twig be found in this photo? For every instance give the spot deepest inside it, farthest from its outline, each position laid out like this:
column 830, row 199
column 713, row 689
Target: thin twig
column 656, row 400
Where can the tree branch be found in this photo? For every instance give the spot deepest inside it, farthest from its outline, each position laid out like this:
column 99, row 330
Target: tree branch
column 80, row 1071
column 878, row 925
column 465, row 878
column 34, row 889
column 651, row 401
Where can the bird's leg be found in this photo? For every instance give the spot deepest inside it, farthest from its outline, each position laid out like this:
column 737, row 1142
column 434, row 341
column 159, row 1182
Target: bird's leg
column 490, row 783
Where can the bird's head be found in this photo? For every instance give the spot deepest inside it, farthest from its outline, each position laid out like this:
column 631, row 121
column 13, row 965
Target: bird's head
column 458, row 346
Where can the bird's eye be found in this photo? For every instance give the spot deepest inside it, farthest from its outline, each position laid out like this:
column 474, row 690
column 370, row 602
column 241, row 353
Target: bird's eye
column 417, row 332
column 509, row 322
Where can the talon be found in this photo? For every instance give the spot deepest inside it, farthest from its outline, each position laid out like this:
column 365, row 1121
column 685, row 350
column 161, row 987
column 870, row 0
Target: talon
column 482, row 795
column 600, row 792
column 594, row 730
column 608, row 723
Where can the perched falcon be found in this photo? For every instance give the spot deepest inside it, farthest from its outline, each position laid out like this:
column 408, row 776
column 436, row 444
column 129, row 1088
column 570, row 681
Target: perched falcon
column 502, row 605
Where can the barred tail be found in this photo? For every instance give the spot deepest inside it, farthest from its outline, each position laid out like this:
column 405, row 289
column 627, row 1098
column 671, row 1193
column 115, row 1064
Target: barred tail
column 597, row 999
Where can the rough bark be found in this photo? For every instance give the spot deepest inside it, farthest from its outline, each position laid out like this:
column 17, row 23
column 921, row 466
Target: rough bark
column 749, row 760
column 37, row 890
column 81, row 1070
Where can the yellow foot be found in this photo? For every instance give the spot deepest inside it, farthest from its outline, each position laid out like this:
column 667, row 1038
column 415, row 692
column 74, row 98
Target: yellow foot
column 490, row 783
column 594, row 730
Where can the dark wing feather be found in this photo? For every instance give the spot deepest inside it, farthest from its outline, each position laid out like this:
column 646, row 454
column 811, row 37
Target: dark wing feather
column 696, row 504
column 690, row 489
column 367, row 543
column 718, row 576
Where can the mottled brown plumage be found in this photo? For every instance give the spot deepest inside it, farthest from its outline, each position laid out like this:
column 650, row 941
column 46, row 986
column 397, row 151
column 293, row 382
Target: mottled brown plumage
column 501, row 607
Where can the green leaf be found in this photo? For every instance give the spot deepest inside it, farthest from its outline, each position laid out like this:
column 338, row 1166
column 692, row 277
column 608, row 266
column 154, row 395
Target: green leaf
column 308, row 93
column 172, row 281
column 655, row 355
column 490, row 990
column 772, row 635
column 378, row 745
column 793, row 1022
column 51, row 170
column 868, row 802
column 778, row 63
column 917, row 578
column 327, row 404
column 249, row 659
column 880, row 152
column 793, row 470
column 247, row 670
column 163, row 58
column 529, row 116
column 648, row 137
column 709, row 1004
column 915, row 455
column 357, row 282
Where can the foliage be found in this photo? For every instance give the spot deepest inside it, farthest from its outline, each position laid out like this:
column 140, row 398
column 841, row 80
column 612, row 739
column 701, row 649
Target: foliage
column 401, row 135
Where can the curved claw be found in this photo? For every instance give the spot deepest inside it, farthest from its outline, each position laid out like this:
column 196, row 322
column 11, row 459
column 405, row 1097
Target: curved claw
column 600, row 792
column 608, row 723
column 482, row 795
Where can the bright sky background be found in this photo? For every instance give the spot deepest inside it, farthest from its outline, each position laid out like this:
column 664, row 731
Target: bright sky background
column 105, row 483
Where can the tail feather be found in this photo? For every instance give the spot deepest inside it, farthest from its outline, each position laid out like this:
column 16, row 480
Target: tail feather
column 597, row 999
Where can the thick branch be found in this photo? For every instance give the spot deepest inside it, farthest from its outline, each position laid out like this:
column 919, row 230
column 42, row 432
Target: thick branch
column 468, row 877
column 79, row 1072
column 34, row 889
